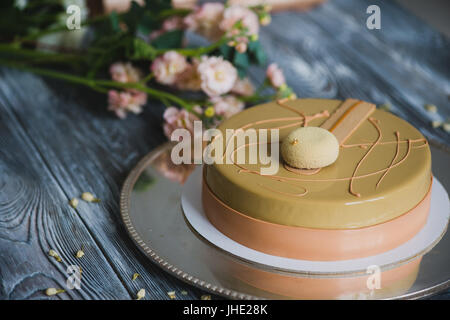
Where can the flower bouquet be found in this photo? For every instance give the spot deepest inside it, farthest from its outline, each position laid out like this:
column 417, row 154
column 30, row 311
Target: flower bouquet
column 143, row 54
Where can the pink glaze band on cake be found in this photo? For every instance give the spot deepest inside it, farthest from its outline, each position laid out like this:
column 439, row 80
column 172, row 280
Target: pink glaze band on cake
column 393, row 282
column 314, row 244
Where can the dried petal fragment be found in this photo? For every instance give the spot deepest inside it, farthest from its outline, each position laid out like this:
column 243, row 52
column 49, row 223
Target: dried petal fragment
column 73, row 203
column 436, row 124
column 431, row 108
column 135, row 276
column 52, row 253
column 80, row 254
column 446, row 127
column 140, row 294
column 89, row 197
column 53, row 291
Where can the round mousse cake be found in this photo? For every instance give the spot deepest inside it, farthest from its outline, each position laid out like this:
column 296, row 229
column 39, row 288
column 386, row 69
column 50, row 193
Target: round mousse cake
column 373, row 198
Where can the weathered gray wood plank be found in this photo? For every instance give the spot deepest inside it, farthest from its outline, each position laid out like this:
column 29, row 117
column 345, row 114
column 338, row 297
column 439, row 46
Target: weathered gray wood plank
column 326, row 56
column 35, row 217
column 82, row 150
column 414, row 42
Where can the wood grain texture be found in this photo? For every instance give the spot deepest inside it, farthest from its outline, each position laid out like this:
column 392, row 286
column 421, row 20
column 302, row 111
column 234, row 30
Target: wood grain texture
column 328, row 52
column 34, row 217
column 57, row 141
column 53, row 150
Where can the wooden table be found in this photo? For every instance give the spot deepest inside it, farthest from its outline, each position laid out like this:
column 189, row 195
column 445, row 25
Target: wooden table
column 57, row 141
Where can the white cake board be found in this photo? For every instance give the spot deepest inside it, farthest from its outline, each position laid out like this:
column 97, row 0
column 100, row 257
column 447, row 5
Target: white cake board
column 424, row 241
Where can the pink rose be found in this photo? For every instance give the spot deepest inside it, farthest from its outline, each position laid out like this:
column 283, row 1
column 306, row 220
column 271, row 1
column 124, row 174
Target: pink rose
column 236, row 13
column 155, row 34
column 241, row 47
column 176, row 119
column 275, row 75
column 170, row 24
column 124, row 72
column 168, row 66
column 190, row 79
column 174, row 172
column 227, row 106
column 122, row 102
column 243, row 87
column 173, row 23
column 205, row 20
column 217, row 75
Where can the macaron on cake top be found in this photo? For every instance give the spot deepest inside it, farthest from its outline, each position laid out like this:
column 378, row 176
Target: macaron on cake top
column 310, row 148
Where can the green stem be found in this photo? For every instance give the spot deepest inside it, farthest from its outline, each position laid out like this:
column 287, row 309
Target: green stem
column 102, row 85
column 257, row 98
column 195, row 52
column 174, row 12
column 263, row 85
column 60, row 28
column 147, row 78
column 152, row 92
column 14, row 49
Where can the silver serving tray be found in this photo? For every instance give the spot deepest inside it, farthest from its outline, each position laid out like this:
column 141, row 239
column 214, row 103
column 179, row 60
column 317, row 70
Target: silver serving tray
column 151, row 212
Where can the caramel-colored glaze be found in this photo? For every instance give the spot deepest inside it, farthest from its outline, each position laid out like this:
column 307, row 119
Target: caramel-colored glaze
column 328, row 204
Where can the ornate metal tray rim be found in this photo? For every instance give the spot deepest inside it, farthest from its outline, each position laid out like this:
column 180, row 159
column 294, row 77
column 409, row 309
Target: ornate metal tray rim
column 204, row 285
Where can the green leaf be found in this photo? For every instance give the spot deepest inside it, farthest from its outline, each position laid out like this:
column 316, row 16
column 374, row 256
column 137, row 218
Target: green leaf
column 133, row 16
column 142, row 50
column 144, row 182
column 169, row 40
column 114, row 19
column 253, row 45
column 158, row 5
column 226, row 51
column 241, row 60
column 149, row 22
column 257, row 52
column 241, row 72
